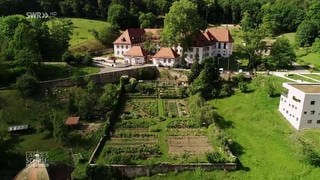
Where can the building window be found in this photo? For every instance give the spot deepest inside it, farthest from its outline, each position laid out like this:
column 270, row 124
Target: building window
column 312, row 112
column 305, row 112
column 309, row 121
column 225, row 46
column 117, row 52
column 318, row 121
column 312, row 102
column 297, row 119
column 117, row 46
column 121, row 46
column 126, row 47
column 296, row 99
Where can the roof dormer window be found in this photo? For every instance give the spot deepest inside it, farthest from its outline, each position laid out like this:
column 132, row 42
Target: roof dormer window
column 123, row 39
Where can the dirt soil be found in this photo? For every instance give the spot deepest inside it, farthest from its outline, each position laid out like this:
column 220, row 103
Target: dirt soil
column 191, row 144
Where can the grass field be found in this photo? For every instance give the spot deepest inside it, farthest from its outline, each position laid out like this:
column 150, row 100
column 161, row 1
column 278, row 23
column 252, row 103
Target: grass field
column 56, row 71
column 82, row 28
column 301, row 78
column 314, row 76
column 265, row 142
column 15, row 110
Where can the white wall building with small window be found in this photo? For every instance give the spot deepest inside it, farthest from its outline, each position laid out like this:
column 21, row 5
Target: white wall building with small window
column 300, row 105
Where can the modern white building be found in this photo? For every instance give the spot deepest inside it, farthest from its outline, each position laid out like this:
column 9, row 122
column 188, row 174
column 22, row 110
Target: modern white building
column 300, row 105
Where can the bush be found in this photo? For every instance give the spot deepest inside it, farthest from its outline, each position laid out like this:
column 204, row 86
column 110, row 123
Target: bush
column 226, row 90
column 27, row 84
column 215, row 157
column 243, row 86
column 146, row 88
column 146, row 74
column 79, row 58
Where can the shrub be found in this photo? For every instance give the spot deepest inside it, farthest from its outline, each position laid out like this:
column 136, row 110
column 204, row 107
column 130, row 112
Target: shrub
column 146, row 88
column 27, row 84
column 226, row 90
column 215, row 157
column 243, row 86
column 146, row 74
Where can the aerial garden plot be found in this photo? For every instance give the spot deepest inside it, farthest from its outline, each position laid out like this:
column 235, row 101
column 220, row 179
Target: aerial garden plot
column 156, row 126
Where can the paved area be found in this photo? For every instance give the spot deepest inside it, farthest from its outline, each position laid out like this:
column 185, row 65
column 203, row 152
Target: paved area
column 297, row 72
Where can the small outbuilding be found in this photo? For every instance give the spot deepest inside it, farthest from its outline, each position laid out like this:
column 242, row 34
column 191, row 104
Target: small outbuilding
column 166, row 57
column 135, row 56
column 73, row 121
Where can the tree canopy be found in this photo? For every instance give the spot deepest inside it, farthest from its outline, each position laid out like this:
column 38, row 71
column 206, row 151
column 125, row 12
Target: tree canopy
column 181, row 23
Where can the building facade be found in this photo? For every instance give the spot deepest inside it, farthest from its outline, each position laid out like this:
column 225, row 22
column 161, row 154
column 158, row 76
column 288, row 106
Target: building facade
column 135, row 56
column 165, row 57
column 300, row 105
column 213, row 42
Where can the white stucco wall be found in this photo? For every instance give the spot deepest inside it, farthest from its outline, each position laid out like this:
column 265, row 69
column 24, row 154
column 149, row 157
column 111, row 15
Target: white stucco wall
column 119, row 50
column 163, row 62
column 134, row 60
column 300, row 113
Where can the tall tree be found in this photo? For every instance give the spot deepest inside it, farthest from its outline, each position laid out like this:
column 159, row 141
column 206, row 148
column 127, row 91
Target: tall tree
column 282, row 54
column 307, row 32
column 147, row 20
column 59, row 128
column 181, row 23
column 252, row 46
column 60, row 35
column 118, row 15
column 207, row 83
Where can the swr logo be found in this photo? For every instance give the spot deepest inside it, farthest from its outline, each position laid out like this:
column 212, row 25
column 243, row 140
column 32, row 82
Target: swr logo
column 37, row 15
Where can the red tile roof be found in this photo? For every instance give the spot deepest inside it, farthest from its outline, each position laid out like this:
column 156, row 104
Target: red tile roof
column 166, row 52
column 218, row 34
column 72, row 121
column 130, row 36
column 202, row 38
column 136, row 51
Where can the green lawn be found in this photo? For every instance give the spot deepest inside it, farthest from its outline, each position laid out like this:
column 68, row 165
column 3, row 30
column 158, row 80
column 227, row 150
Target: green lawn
column 298, row 77
column 15, row 110
column 56, row 71
column 314, row 76
column 82, row 28
column 265, row 142
column 311, row 58
column 290, row 37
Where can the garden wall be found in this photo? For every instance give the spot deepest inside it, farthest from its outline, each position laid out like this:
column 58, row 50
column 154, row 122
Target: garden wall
column 101, row 78
column 132, row 171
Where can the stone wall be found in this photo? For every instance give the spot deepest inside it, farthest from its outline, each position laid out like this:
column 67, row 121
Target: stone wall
column 101, row 78
column 132, row 171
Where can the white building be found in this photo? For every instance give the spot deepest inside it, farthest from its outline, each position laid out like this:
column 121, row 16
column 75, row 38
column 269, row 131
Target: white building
column 213, row 42
column 300, row 105
column 166, row 57
column 135, row 56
